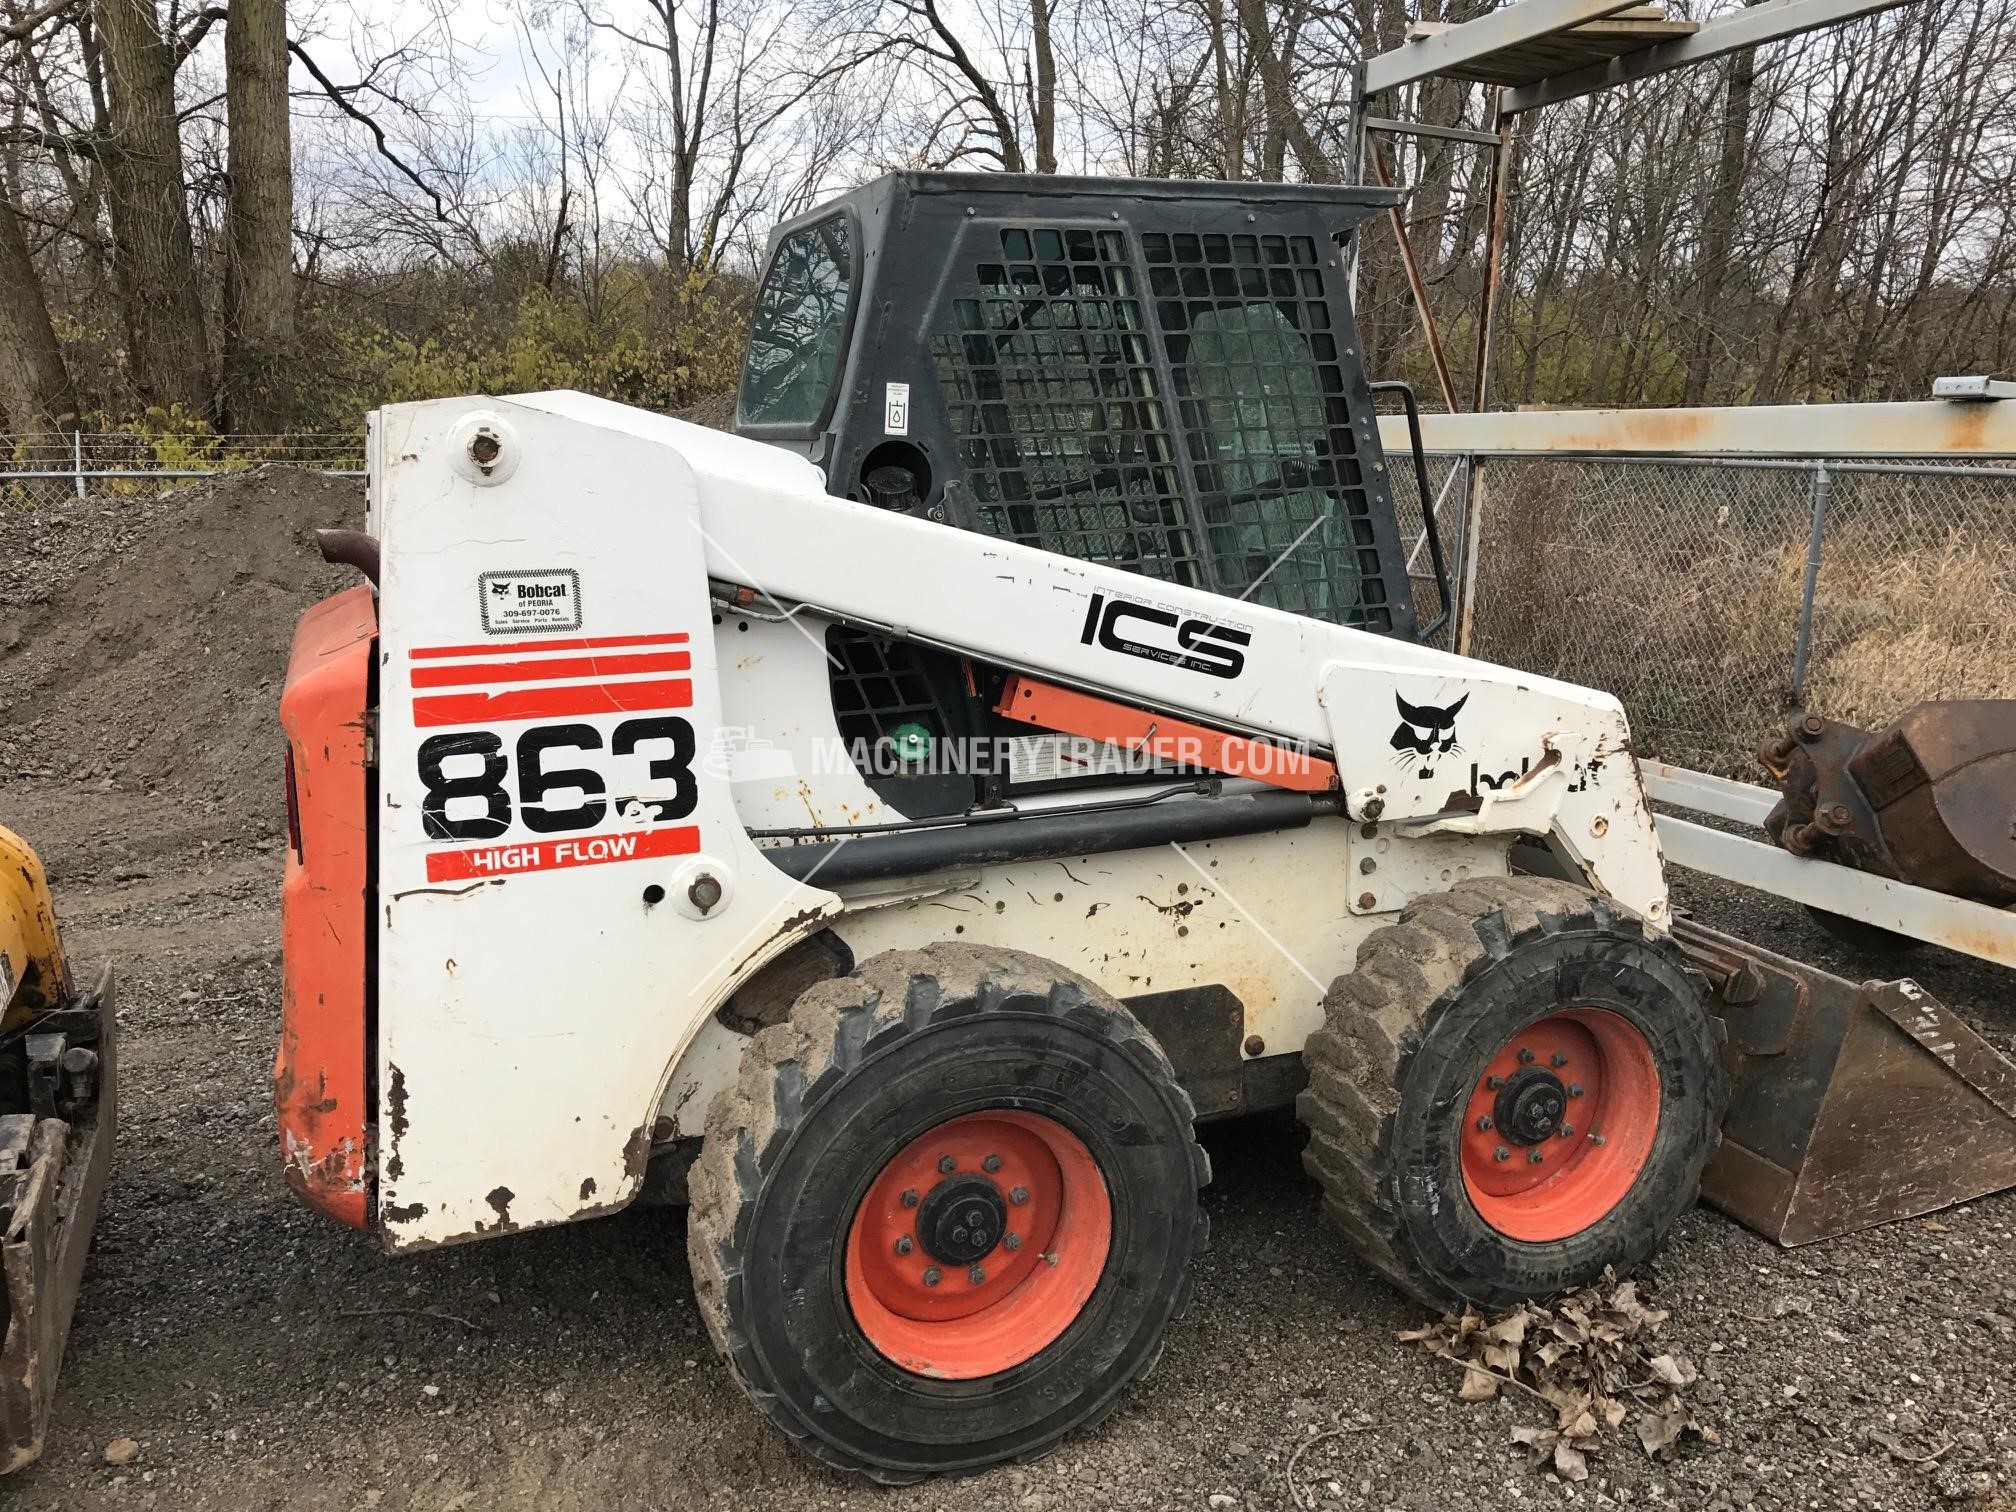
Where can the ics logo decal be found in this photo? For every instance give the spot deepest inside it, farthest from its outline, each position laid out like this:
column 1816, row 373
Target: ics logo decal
column 1425, row 734
column 1163, row 635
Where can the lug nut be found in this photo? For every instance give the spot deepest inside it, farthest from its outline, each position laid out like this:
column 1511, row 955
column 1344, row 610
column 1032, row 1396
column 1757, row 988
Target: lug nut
column 1557, row 1060
column 1596, row 1139
column 947, row 1164
column 1574, row 1089
column 976, row 1275
column 991, row 1164
column 931, row 1275
column 1534, row 1157
column 1567, row 1131
column 1494, row 1082
column 904, row 1246
column 1484, row 1124
column 1501, row 1153
column 1011, row 1241
column 1525, row 1056
column 1019, row 1196
column 910, row 1197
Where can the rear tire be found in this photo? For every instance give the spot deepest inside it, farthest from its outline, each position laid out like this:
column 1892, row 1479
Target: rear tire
column 1515, row 1088
column 821, row 1198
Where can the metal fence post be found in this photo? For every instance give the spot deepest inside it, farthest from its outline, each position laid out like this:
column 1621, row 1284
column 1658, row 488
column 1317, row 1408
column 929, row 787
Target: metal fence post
column 1822, row 489
column 1471, row 549
column 77, row 455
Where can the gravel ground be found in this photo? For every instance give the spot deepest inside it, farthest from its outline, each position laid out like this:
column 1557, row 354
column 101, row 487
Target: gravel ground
column 261, row 1357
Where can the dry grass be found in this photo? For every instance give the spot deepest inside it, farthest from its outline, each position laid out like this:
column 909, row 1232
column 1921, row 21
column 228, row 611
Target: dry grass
column 1681, row 595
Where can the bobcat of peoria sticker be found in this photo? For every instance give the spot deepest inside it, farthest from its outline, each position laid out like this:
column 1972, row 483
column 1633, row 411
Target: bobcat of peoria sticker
column 514, row 602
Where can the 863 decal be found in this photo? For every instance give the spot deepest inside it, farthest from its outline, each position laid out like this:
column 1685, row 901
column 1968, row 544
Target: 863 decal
column 584, row 796
column 553, row 782
column 535, row 779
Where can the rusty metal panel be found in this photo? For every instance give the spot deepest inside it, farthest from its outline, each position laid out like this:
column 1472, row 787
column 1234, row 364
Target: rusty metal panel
column 1850, row 1105
column 1925, row 800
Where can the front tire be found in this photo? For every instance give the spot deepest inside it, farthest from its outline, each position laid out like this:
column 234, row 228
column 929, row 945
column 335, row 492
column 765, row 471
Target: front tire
column 1516, row 1088
column 946, row 1213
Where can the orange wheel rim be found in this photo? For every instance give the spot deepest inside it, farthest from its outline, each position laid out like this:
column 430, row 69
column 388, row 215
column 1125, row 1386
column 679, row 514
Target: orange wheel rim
column 978, row 1244
column 1559, row 1124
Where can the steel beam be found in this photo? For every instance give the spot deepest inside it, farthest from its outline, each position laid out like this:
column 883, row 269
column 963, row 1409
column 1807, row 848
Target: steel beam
column 1441, row 51
column 1989, row 934
column 1749, row 27
column 1424, row 129
column 1706, row 794
column 1931, row 428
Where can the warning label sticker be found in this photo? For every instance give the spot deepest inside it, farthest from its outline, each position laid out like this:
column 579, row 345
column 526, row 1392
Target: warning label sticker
column 514, row 602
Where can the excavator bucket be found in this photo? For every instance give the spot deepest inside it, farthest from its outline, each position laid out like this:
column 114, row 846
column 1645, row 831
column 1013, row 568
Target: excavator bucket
column 56, row 1129
column 1851, row 1105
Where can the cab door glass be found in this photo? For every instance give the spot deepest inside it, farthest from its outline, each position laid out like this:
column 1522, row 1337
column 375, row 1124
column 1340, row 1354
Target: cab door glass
column 799, row 331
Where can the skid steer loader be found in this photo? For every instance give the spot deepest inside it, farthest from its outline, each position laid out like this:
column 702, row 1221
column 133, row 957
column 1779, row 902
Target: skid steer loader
column 894, row 826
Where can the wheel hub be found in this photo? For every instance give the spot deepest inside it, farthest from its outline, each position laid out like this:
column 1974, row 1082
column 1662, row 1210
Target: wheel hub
column 961, row 1220
column 1530, row 1105
column 1559, row 1123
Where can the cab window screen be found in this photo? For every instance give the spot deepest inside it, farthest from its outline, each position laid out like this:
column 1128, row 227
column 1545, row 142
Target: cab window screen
column 799, row 328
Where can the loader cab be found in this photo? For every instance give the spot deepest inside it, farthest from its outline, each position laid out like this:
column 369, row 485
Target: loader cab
column 1156, row 375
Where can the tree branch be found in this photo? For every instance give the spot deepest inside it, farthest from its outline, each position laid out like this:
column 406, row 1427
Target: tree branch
column 339, row 95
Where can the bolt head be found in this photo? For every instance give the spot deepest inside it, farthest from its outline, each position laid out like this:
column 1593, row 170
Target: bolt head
column 910, row 1198
column 977, row 1274
column 1012, row 1241
column 1596, row 1139
column 1367, row 901
column 931, row 1276
column 705, row 892
column 947, row 1164
column 904, row 1245
column 1484, row 1123
column 1501, row 1153
column 1812, row 724
column 1494, row 1082
column 991, row 1164
column 1557, row 1060
column 1525, row 1056
column 1566, row 1131
column 1574, row 1089
column 1019, row 1196
column 1534, row 1157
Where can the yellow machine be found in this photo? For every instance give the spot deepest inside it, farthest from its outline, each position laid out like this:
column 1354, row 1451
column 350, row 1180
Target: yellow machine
column 55, row 1144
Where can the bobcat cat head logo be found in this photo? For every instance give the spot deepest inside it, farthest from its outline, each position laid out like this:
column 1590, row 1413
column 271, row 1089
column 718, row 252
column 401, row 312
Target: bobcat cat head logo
column 1425, row 734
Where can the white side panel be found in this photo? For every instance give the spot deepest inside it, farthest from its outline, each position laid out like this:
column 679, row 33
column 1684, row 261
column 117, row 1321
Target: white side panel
column 541, row 967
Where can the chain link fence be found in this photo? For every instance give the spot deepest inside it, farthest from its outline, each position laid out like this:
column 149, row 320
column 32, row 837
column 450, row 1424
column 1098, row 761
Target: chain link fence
column 1716, row 595
column 43, row 470
column 1713, row 595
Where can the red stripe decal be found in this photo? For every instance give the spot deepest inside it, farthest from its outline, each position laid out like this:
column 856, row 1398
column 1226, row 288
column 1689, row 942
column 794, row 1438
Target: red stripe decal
column 464, row 674
column 577, row 643
column 551, row 703
column 480, row 861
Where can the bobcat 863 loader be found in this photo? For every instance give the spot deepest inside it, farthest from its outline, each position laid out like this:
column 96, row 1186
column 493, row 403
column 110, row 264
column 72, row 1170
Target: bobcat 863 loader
column 892, row 827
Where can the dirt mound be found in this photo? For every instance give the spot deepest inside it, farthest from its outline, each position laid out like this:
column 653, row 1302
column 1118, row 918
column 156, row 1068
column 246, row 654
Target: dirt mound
column 149, row 656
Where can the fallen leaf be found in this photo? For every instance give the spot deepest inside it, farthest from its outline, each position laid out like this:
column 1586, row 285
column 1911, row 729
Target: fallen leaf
column 1569, row 1462
column 1673, row 1369
column 1478, row 1386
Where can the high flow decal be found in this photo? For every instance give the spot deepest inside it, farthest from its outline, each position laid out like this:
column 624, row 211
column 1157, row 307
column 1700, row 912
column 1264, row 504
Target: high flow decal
column 1425, row 734
column 1156, row 634
column 554, row 775
column 516, row 603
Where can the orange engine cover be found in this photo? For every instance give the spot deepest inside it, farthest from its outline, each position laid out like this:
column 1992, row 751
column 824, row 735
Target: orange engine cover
column 319, row 1072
